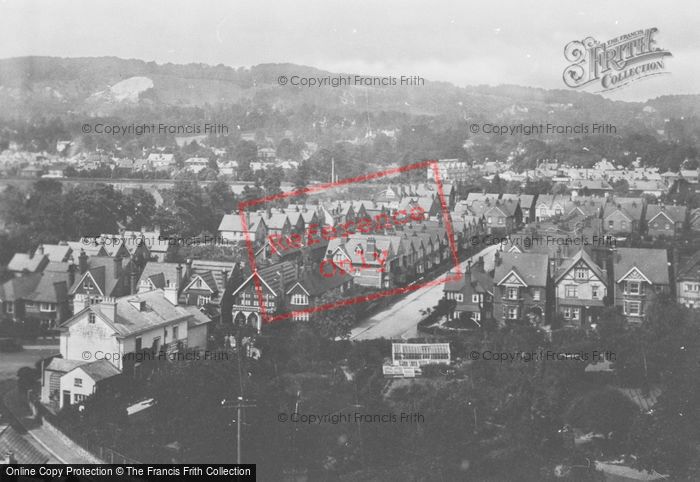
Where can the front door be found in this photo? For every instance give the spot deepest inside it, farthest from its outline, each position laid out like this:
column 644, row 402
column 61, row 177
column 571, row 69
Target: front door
column 66, row 398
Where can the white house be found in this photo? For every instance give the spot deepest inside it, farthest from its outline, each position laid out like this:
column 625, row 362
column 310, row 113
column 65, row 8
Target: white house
column 107, row 331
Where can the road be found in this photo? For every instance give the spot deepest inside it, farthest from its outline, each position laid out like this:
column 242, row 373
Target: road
column 401, row 319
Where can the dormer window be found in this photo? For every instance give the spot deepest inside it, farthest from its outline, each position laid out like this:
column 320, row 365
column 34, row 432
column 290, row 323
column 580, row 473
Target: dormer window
column 91, row 318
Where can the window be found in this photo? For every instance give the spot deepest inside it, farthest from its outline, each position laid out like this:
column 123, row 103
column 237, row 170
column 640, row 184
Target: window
column 655, row 224
column 460, row 297
column 87, row 285
column 512, row 313
column 512, row 293
column 501, row 220
column 78, row 382
column 633, row 287
column 10, row 307
column 575, row 313
column 301, row 316
column 198, row 283
column 476, row 316
column 624, row 224
column 475, row 298
column 300, row 299
column 49, row 307
column 536, row 294
column 668, row 226
column 138, row 343
column 594, row 291
column 633, row 308
column 29, row 304
column 611, row 224
column 581, row 273
column 567, row 312
column 175, row 332
column 571, row 291
column 91, row 318
column 78, row 397
column 489, row 220
column 203, row 300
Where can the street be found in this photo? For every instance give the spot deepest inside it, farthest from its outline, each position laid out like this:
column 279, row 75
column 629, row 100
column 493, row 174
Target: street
column 400, row 320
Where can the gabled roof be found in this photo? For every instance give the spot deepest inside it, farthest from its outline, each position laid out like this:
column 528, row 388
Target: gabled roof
column 632, row 211
column 316, row 284
column 651, row 263
column 690, row 269
column 531, row 268
column 19, row 287
column 160, row 274
column 102, row 271
column 233, row 223
column 130, row 320
column 357, row 244
column 675, row 214
column 212, row 272
column 98, row 370
column 582, row 255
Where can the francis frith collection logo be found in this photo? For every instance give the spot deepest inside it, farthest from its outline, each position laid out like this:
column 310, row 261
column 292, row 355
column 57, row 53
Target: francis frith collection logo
column 616, row 63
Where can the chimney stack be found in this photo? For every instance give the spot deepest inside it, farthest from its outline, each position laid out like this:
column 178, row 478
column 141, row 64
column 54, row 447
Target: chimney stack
column 71, row 273
column 109, row 309
column 371, row 246
column 82, row 261
column 179, row 276
column 132, row 280
column 170, row 293
column 117, row 267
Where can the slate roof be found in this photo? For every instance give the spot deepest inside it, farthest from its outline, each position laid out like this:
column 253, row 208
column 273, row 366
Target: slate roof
column 20, row 287
column 161, row 273
column 653, row 263
column 316, row 284
column 632, row 210
column 90, row 248
column 159, row 311
column 213, row 272
column 56, row 252
column 531, row 268
column 102, row 270
column 232, row 222
column 582, row 255
column 690, row 269
column 358, row 243
column 24, row 452
column 99, row 370
column 676, row 213
column 24, row 262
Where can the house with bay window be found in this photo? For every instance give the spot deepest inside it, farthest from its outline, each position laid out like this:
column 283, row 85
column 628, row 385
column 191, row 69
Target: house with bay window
column 641, row 275
column 522, row 282
column 688, row 282
column 581, row 290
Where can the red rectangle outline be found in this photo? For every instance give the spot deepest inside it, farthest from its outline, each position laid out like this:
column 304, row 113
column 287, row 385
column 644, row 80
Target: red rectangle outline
column 456, row 276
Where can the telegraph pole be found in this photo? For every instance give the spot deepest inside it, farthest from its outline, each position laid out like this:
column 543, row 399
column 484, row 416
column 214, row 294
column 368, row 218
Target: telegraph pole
column 240, row 404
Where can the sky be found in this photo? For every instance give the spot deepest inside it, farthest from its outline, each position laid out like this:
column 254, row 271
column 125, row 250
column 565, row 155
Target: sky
column 465, row 43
